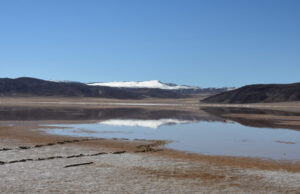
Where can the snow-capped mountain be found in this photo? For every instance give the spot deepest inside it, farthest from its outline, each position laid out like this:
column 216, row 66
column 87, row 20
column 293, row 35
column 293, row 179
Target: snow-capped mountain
column 143, row 84
column 26, row 86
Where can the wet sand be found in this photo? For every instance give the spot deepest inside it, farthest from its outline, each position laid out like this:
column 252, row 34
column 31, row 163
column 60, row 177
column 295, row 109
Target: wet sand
column 98, row 102
column 192, row 103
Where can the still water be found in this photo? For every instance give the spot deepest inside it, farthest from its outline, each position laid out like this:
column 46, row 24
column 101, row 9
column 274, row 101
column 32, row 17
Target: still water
column 205, row 131
column 197, row 134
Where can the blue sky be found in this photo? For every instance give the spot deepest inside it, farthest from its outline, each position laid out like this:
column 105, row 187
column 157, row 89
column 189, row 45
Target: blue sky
column 195, row 42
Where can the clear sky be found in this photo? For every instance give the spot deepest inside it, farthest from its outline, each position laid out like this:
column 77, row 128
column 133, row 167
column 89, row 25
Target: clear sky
column 194, row 42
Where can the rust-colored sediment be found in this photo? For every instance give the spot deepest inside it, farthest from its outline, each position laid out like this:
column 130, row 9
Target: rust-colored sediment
column 236, row 162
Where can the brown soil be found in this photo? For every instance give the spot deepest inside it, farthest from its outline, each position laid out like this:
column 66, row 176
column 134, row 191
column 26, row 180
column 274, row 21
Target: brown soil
column 235, row 162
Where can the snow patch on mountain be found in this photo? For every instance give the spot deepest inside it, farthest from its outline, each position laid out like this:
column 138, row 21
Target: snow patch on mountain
column 143, row 84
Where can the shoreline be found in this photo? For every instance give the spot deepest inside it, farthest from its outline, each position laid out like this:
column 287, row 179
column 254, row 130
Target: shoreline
column 193, row 102
column 117, row 165
column 56, row 163
column 34, row 134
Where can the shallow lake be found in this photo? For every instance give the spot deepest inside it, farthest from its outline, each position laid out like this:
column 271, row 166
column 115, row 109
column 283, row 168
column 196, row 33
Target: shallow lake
column 213, row 138
column 197, row 131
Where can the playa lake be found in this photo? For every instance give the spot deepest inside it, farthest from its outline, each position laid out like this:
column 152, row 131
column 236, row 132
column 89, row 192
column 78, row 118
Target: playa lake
column 196, row 131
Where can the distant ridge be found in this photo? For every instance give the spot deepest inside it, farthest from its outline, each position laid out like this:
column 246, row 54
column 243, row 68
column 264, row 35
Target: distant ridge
column 26, row 86
column 258, row 93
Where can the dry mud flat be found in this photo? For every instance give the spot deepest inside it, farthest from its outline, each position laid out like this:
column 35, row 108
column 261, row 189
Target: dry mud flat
column 52, row 164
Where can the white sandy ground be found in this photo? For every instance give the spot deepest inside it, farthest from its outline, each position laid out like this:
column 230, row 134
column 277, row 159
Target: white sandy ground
column 131, row 173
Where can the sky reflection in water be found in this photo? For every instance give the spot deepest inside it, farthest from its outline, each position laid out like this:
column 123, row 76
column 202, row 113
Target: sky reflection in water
column 213, row 138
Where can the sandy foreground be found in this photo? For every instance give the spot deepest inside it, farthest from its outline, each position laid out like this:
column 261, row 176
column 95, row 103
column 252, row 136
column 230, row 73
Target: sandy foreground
column 32, row 161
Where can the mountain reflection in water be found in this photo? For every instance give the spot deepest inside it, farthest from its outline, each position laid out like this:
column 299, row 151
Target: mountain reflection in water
column 214, row 131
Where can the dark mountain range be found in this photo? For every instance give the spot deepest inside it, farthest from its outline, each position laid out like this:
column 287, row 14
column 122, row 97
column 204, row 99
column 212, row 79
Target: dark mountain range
column 36, row 87
column 258, row 93
column 22, row 87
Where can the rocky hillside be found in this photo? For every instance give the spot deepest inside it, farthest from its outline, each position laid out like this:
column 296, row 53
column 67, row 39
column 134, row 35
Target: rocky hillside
column 258, row 93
